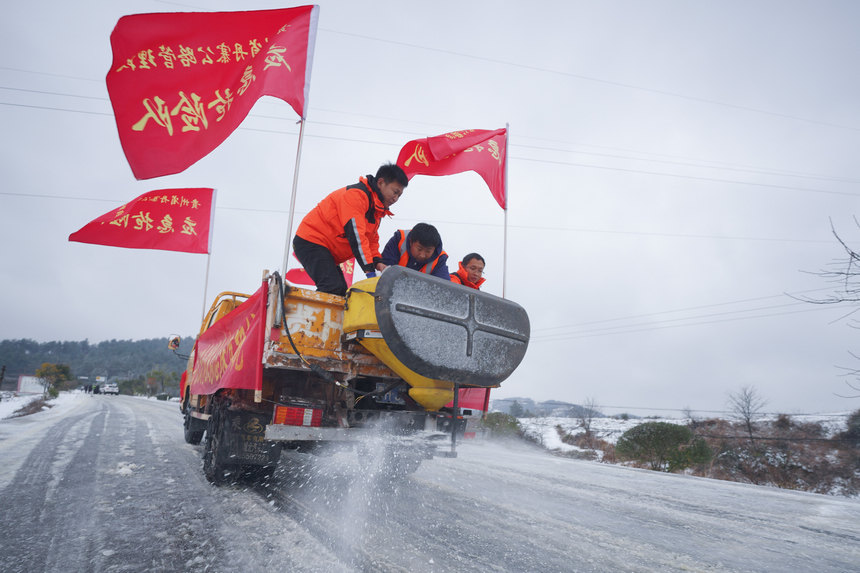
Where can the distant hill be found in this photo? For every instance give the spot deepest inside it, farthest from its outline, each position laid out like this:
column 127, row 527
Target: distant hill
column 546, row 408
column 113, row 359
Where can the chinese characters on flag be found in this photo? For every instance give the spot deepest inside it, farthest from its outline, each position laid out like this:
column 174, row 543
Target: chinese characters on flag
column 180, row 83
column 228, row 354
column 166, row 219
column 480, row 150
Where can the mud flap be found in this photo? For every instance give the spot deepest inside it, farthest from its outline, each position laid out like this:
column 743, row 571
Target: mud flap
column 244, row 440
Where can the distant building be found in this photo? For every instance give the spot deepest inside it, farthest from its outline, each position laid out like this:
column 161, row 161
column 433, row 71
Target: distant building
column 30, row 385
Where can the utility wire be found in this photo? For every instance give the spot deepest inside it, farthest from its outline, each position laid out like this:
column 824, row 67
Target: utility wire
column 623, row 330
column 475, row 224
column 595, row 80
column 690, row 177
column 685, row 309
column 515, row 157
column 412, row 133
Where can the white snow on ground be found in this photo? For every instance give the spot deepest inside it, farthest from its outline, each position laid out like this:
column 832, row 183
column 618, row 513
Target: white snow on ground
column 543, row 430
column 20, row 433
column 11, row 403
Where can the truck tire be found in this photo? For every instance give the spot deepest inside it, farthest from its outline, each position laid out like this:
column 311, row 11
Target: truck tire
column 214, row 467
column 192, row 437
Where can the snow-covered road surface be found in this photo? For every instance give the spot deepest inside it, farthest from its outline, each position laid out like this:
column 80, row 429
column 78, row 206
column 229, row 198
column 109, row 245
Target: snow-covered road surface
column 104, row 483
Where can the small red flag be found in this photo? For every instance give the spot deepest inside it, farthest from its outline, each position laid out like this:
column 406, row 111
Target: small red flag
column 166, row 219
column 480, row 150
column 300, row 277
column 473, row 399
column 180, row 83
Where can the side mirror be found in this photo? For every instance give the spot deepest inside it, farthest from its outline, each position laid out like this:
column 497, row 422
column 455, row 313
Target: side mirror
column 173, row 342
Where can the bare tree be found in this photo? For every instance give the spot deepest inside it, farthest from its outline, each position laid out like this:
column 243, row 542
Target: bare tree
column 746, row 405
column 845, row 275
column 587, row 412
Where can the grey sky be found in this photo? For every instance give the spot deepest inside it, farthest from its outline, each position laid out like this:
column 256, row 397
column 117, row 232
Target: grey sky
column 673, row 167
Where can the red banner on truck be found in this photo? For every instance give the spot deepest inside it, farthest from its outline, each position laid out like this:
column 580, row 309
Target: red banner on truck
column 229, row 354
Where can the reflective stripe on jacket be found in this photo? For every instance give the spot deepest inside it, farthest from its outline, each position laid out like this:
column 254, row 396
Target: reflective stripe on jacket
column 346, row 222
column 396, row 252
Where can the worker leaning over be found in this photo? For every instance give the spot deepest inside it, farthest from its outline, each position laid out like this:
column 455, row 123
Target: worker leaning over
column 419, row 249
column 471, row 271
column 346, row 224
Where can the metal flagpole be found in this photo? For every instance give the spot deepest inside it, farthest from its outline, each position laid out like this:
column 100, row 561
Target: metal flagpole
column 293, row 197
column 209, row 250
column 205, row 287
column 507, row 204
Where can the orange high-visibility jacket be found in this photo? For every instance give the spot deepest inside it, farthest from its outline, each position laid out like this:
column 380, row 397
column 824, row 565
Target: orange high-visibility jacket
column 347, row 222
column 462, row 277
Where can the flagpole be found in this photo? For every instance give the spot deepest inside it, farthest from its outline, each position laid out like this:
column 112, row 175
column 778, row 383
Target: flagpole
column 209, row 250
column 205, row 286
column 293, row 197
column 507, row 202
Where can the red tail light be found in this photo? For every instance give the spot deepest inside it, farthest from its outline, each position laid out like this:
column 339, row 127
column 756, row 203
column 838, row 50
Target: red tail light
column 296, row 416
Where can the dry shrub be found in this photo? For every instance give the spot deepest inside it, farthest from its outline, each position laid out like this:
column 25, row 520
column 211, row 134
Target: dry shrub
column 589, row 444
column 31, row 407
column 782, row 453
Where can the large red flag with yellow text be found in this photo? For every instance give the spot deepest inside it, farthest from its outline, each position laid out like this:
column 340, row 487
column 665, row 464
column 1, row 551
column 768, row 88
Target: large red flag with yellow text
column 181, row 82
column 166, row 219
column 480, row 150
column 229, row 354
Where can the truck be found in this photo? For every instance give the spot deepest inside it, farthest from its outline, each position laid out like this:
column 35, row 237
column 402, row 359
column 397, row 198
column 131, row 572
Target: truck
column 379, row 371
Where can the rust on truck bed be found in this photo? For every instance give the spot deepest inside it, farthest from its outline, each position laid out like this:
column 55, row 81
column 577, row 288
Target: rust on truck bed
column 315, row 322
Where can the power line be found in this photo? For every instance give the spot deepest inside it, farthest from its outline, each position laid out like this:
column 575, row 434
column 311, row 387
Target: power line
column 620, row 329
column 543, row 161
column 597, row 80
column 490, row 225
column 692, row 410
column 412, row 134
column 66, row 76
column 120, row 202
column 690, row 177
column 685, row 309
column 701, row 163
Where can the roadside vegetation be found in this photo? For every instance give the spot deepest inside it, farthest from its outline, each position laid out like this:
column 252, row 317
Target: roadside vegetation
column 779, row 451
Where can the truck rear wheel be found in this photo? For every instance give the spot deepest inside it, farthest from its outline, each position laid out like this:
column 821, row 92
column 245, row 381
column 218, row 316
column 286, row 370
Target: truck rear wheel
column 214, row 467
column 192, row 436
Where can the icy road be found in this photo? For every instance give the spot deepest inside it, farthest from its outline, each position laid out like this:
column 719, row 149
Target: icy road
column 106, row 483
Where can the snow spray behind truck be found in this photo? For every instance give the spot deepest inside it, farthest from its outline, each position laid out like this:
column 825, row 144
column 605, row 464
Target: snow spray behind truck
column 292, row 368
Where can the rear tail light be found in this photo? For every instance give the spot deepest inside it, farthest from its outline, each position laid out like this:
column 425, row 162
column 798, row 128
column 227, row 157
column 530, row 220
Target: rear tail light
column 298, row 416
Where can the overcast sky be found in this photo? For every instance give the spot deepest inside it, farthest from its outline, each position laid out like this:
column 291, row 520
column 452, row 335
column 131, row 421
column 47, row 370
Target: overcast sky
column 673, row 170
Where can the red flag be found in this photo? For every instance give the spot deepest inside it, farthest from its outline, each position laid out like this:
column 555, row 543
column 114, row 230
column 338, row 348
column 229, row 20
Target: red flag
column 180, row 83
column 473, row 399
column 300, row 277
column 480, row 150
column 228, row 354
column 166, row 219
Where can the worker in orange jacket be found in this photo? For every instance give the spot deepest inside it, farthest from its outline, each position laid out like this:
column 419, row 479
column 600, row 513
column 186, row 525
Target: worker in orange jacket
column 345, row 224
column 471, row 271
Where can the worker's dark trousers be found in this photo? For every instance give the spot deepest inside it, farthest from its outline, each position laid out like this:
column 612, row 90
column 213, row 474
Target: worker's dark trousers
column 320, row 265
